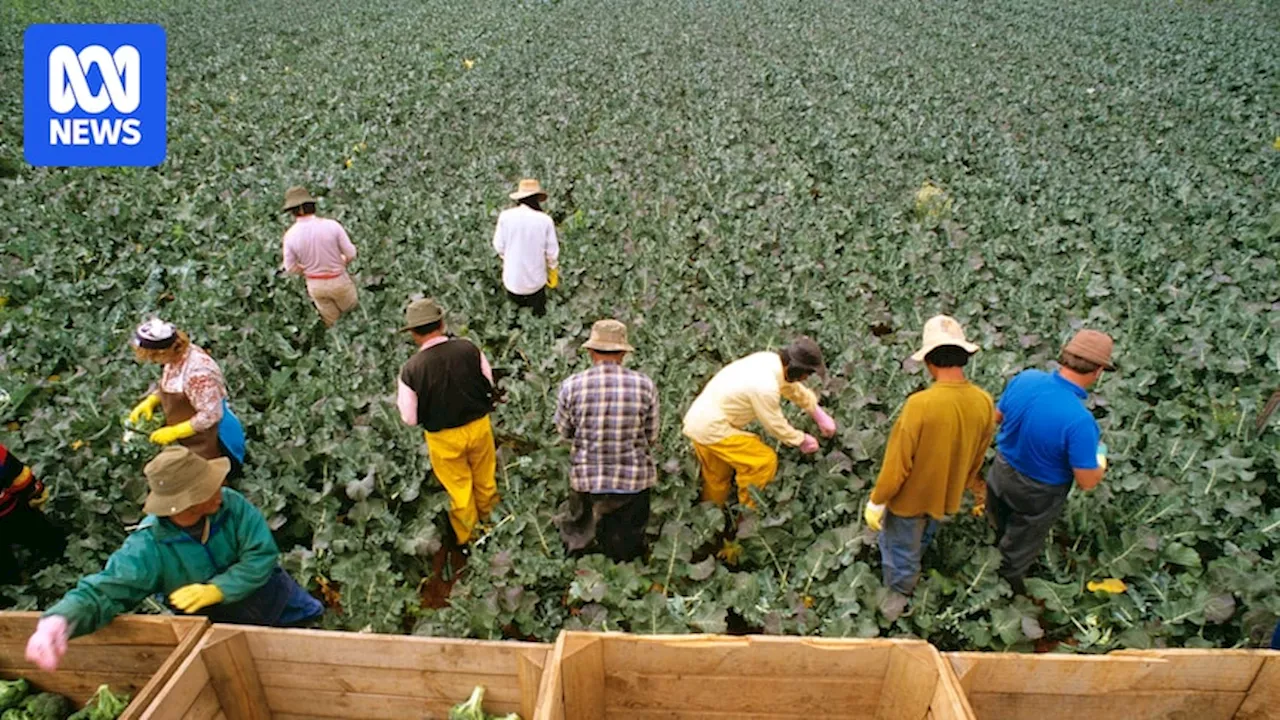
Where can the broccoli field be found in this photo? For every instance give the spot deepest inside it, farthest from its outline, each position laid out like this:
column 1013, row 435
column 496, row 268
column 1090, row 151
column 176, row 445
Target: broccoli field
column 724, row 175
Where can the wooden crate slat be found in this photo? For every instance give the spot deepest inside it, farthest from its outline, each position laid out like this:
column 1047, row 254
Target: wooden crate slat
column 180, row 692
column 1221, row 670
column 140, row 659
column 908, row 686
column 1264, row 694
column 614, row 713
column 361, row 706
column 1057, row 675
column 1145, row 705
column 409, row 683
column 16, row 627
column 387, row 651
column 205, row 707
column 745, row 656
column 728, row 693
column 75, row 685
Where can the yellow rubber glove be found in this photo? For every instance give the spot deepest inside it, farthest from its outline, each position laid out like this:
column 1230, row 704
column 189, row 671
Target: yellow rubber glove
column 874, row 515
column 979, row 509
column 37, row 502
column 195, row 597
column 145, row 409
column 553, row 278
column 1114, row 586
column 172, row 433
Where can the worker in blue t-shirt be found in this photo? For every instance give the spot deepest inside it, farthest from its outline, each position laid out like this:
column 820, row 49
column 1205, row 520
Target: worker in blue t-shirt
column 1047, row 440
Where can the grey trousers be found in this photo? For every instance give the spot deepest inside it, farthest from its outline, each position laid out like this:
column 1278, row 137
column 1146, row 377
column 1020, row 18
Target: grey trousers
column 1024, row 510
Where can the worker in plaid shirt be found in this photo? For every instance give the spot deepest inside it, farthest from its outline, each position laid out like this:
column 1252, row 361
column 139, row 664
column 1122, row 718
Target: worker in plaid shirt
column 610, row 414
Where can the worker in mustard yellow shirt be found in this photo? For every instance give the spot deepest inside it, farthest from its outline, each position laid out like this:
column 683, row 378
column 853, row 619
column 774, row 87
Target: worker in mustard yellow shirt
column 748, row 390
column 935, row 450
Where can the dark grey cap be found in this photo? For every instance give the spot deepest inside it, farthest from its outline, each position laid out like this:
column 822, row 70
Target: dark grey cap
column 804, row 355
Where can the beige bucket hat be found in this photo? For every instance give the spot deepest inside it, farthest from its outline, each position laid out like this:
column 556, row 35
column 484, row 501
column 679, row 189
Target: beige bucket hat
column 180, row 479
column 528, row 188
column 1094, row 346
column 608, row 336
column 422, row 312
column 943, row 330
column 296, row 196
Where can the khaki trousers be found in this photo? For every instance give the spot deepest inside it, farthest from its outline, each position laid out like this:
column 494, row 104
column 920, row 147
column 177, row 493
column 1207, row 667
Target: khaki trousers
column 332, row 297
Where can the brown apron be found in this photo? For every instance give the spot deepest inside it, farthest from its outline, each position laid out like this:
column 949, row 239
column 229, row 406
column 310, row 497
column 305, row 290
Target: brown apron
column 177, row 410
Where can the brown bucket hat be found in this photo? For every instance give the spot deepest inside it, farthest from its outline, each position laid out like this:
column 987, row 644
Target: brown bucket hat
column 1094, row 346
column 422, row 312
column 804, row 354
column 180, row 479
column 608, row 336
column 295, row 197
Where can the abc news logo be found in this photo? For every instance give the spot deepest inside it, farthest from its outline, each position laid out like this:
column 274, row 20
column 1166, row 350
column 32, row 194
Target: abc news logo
column 94, row 95
column 69, row 89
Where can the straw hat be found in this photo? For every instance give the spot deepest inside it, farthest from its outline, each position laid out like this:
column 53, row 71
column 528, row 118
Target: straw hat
column 296, row 196
column 528, row 188
column 422, row 312
column 943, row 330
column 608, row 336
column 180, row 479
column 1093, row 346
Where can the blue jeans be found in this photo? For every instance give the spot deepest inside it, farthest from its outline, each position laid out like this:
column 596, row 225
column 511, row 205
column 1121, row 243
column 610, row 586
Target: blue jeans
column 1275, row 638
column 902, row 544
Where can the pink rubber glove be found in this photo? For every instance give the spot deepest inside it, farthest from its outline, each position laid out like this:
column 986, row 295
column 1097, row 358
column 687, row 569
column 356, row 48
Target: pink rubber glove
column 810, row 444
column 826, row 424
column 49, row 642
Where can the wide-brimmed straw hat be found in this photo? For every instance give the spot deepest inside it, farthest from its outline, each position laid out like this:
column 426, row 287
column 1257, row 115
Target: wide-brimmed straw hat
column 422, row 312
column 296, row 196
column 528, row 188
column 1094, row 346
column 608, row 336
column 940, row 331
column 180, row 479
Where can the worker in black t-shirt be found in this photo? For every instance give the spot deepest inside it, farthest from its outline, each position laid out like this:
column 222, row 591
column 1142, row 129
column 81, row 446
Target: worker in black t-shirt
column 22, row 522
column 447, row 389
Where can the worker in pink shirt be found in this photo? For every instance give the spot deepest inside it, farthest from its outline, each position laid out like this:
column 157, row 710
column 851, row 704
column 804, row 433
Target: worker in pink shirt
column 319, row 249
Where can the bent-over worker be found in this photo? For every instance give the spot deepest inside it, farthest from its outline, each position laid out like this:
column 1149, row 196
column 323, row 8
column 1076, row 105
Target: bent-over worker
column 192, row 395
column 935, row 450
column 202, row 545
column 318, row 249
column 22, row 520
column 610, row 414
column 743, row 391
column 446, row 388
column 1047, row 441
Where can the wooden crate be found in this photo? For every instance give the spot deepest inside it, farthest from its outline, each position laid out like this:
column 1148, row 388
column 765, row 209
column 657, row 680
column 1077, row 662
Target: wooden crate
column 253, row 673
column 135, row 654
column 1133, row 684
column 592, row 676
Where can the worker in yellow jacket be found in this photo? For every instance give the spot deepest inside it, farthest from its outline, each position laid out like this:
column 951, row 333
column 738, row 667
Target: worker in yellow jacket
column 935, row 450
column 748, row 390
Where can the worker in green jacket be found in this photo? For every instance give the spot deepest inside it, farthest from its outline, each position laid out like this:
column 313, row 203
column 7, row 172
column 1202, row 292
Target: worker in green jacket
column 204, row 546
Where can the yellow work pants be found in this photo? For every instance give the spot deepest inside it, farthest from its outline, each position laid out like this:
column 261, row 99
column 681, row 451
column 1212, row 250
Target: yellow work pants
column 745, row 456
column 464, row 460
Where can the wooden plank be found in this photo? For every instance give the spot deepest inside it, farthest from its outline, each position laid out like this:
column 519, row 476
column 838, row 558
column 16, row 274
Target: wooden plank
column 205, row 707
column 235, row 678
column 1219, row 670
column 528, row 678
column 16, row 627
column 80, row 686
column 180, row 691
column 1263, row 699
column 1147, row 705
column 949, row 701
column 582, row 670
column 359, row 706
column 1055, row 674
column 368, row 681
column 908, row 688
column 728, row 693
column 94, row 658
column 388, row 651
column 190, row 631
column 750, row 656
column 633, row 714
column 551, row 687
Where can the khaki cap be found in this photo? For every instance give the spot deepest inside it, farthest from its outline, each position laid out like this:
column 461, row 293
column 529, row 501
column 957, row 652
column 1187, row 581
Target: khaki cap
column 422, row 312
column 1094, row 346
column 180, row 479
column 296, row 196
column 528, row 188
column 608, row 336
column 940, row 331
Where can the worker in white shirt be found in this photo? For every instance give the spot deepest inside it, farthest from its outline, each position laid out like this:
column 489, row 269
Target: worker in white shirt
column 319, row 249
column 526, row 241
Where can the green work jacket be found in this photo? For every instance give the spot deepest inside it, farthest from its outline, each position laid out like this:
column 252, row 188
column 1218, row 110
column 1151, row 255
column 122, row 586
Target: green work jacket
column 159, row 557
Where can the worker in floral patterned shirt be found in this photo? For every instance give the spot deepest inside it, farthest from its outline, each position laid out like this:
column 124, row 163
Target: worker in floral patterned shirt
column 191, row 394
column 22, row 522
column 610, row 414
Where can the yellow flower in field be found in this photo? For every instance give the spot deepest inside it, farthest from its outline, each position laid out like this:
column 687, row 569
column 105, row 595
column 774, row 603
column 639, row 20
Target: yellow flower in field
column 77, row 444
column 55, row 378
column 1276, row 144
column 12, row 427
column 731, row 552
column 468, row 64
column 3, row 301
column 932, row 203
column 1115, row 586
column 348, row 162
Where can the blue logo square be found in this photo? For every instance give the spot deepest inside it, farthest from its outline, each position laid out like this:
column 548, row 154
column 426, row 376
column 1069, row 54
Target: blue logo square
column 94, row 95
